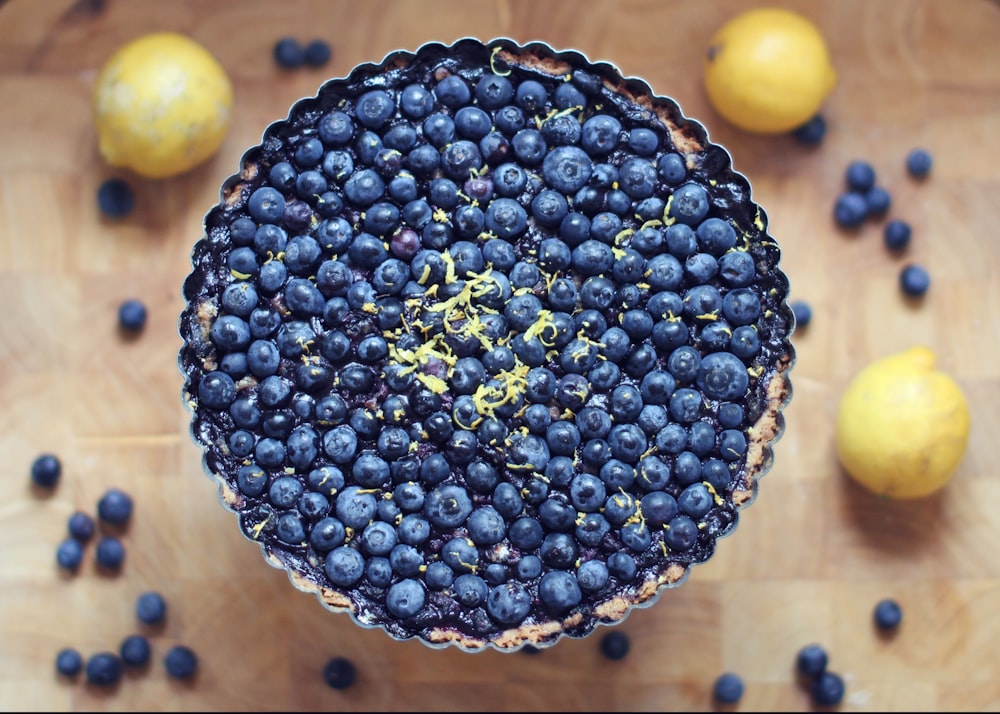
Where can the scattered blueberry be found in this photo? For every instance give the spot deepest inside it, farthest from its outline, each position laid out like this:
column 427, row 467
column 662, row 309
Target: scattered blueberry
column 811, row 660
column 914, row 280
column 615, row 645
column 69, row 662
column 46, row 470
column 340, row 673
column 860, row 176
column 110, row 553
column 728, row 688
column 115, row 506
column 181, row 662
column 151, row 607
column 878, row 199
column 104, row 669
column 888, row 614
column 81, row 526
column 918, row 162
column 115, row 198
column 288, row 53
column 132, row 315
column 802, row 311
column 69, row 554
column 827, row 689
column 135, row 650
column 317, row 53
column 850, row 209
column 896, row 234
column 812, row 132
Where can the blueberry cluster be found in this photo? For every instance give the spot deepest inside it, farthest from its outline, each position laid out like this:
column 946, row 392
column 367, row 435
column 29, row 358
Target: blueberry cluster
column 478, row 343
column 826, row 688
column 114, row 510
column 134, row 653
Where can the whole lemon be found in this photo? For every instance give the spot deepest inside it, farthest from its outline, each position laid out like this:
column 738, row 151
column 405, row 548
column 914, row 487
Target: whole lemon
column 902, row 425
column 162, row 105
column 768, row 70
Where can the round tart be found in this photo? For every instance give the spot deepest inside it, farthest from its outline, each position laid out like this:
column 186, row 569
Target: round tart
column 486, row 344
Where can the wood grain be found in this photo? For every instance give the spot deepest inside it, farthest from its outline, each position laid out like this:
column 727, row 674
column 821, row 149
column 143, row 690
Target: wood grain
column 811, row 556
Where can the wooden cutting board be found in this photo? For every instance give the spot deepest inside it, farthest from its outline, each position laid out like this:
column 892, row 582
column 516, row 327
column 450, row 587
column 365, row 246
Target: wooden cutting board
column 811, row 556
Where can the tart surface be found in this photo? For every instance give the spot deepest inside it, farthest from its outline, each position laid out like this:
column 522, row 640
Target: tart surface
column 486, row 344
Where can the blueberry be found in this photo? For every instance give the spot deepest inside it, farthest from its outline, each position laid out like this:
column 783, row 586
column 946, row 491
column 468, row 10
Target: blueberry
column 728, row 688
column 615, row 645
column 447, row 506
column 181, row 662
column 802, row 312
column 566, row 169
column 689, row 204
column 110, row 553
column 827, row 689
column 81, row 526
column 637, row 178
column 288, row 53
column 493, row 91
column 736, row 269
column 723, row 376
column 115, row 506
column 486, row 526
column 508, row 603
column 69, row 554
column 896, row 234
column 859, row 176
column 438, row 576
column 470, row 590
column 340, row 673
column 115, row 198
column 600, row 134
column 812, row 132
column 135, row 650
column 506, row 218
column 46, row 470
column 850, row 209
column 69, row 662
column 811, row 660
column 405, row 598
column 559, row 591
column 918, row 162
column 104, row 669
column 914, row 280
column 266, row 205
column 317, row 53
column 452, row 91
column 681, row 534
column 877, row 200
column 695, row 500
column 888, row 614
column 344, row 566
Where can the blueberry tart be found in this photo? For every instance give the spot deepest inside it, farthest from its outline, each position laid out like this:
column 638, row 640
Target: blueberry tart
column 486, row 344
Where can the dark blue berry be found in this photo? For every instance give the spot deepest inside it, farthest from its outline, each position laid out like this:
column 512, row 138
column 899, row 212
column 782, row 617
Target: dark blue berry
column 266, row 205
column 728, row 688
column 181, row 662
column 859, row 176
column 135, row 650
column 811, row 660
column 600, row 135
column 115, row 198
column 453, row 92
column 317, row 53
column 888, row 614
column 802, row 312
column 918, row 163
column 115, row 506
column 69, row 554
column 81, row 526
column 559, row 591
column 914, row 280
column 850, row 209
column 288, row 53
column 104, row 669
column 110, row 553
column 69, row 662
column 877, row 200
column 508, row 603
column 827, row 689
column 615, row 645
column 812, row 132
column 340, row 673
column 46, row 470
column 896, row 234
column 151, row 607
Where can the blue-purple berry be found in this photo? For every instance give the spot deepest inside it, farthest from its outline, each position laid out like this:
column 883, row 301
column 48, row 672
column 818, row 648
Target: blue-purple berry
column 115, row 506
column 181, row 662
column 812, row 132
column 151, row 607
column 104, row 669
column 811, row 660
column 615, row 645
column 802, row 312
column 919, row 162
column 896, row 234
column 115, row 198
column 340, row 673
column 46, row 470
column 888, row 614
column 81, row 526
column 288, row 53
column 850, row 209
column 317, row 53
column 110, row 553
column 135, row 650
column 132, row 315
column 728, row 688
column 827, row 689
column 914, row 280
column 69, row 554
column 69, row 662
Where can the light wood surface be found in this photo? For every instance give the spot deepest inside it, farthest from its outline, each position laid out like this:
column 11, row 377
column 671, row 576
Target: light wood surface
column 811, row 556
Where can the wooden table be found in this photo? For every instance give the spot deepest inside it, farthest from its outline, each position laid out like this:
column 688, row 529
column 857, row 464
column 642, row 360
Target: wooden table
column 811, row 557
